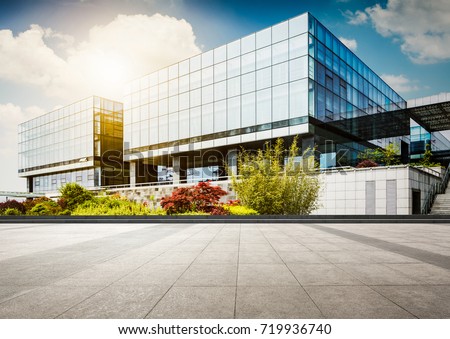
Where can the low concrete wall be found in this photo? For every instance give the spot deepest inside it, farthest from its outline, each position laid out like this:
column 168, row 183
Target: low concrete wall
column 348, row 191
column 378, row 190
column 153, row 194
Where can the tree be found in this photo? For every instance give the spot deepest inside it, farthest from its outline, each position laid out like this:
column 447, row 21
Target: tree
column 269, row 187
column 427, row 158
column 74, row 195
column 388, row 156
column 199, row 198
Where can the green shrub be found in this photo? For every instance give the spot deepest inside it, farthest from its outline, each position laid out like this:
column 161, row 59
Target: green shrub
column 240, row 210
column 74, row 195
column 29, row 204
column 11, row 211
column 46, row 208
column 270, row 185
column 113, row 206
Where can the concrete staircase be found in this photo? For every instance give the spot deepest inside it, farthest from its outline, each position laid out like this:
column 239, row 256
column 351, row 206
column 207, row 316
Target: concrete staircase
column 442, row 204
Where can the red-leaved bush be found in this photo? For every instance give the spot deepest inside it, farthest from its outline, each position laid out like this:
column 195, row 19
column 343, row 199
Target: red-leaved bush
column 199, row 198
column 367, row 163
column 12, row 204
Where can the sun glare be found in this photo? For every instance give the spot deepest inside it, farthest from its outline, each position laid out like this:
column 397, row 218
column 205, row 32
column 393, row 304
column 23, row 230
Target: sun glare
column 108, row 73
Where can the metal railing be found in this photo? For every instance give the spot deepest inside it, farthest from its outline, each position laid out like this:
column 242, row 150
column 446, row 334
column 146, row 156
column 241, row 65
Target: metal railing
column 437, row 188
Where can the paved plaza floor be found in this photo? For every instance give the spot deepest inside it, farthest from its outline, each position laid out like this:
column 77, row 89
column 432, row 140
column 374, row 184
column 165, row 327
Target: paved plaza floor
column 224, row 271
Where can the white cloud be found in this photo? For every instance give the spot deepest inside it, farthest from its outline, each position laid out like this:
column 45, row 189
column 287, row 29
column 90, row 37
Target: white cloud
column 421, row 27
column 350, row 43
column 10, row 116
column 356, row 18
column 127, row 47
column 400, row 83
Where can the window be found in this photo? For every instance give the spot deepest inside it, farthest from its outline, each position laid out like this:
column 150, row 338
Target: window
column 207, row 76
column 234, row 86
column 196, row 122
column 183, row 124
column 207, row 94
column 280, row 52
column 234, row 49
column 298, row 68
column 298, row 46
column 220, row 54
column 264, row 38
column 220, row 72
column 220, row 90
column 263, row 57
column 248, row 109
column 280, row 102
column 263, row 78
column 220, row 116
column 207, row 59
column 173, row 72
column 298, row 103
column 248, row 44
column 195, row 80
column 248, row 83
column 184, row 67
column 298, row 25
column 248, row 63
column 195, row 98
column 280, row 32
column 280, row 73
column 207, row 119
column 234, row 112
column 195, row 63
column 263, row 106
column 234, row 67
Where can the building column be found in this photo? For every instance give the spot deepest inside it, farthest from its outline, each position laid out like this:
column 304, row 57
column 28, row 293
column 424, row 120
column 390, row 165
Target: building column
column 179, row 165
column 232, row 162
column 132, row 173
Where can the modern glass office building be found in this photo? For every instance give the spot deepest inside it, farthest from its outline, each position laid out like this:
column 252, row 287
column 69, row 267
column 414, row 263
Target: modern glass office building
column 286, row 80
column 82, row 142
column 186, row 122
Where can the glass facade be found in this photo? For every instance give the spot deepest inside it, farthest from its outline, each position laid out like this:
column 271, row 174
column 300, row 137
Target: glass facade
column 71, row 144
column 257, row 83
column 267, row 82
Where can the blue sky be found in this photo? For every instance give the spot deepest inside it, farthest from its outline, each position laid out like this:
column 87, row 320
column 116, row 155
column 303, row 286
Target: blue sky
column 52, row 51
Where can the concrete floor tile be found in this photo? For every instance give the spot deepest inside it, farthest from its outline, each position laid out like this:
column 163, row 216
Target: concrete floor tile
column 345, row 257
column 302, row 257
column 196, row 303
column 219, row 247
column 175, row 258
column 354, row 302
column 378, row 274
column 321, row 274
column 323, row 247
column 210, row 257
column 426, row 273
column 265, row 257
column 265, row 275
column 118, row 302
column 290, row 247
column 251, row 247
column 45, row 302
column 382, row 257
column 208, row 275
column 284, row 302
column 422, row 301
column 152, row 274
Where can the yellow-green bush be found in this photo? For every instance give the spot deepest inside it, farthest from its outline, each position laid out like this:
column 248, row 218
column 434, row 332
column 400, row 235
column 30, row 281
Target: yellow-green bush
column 114, row 206
column 240, row 210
